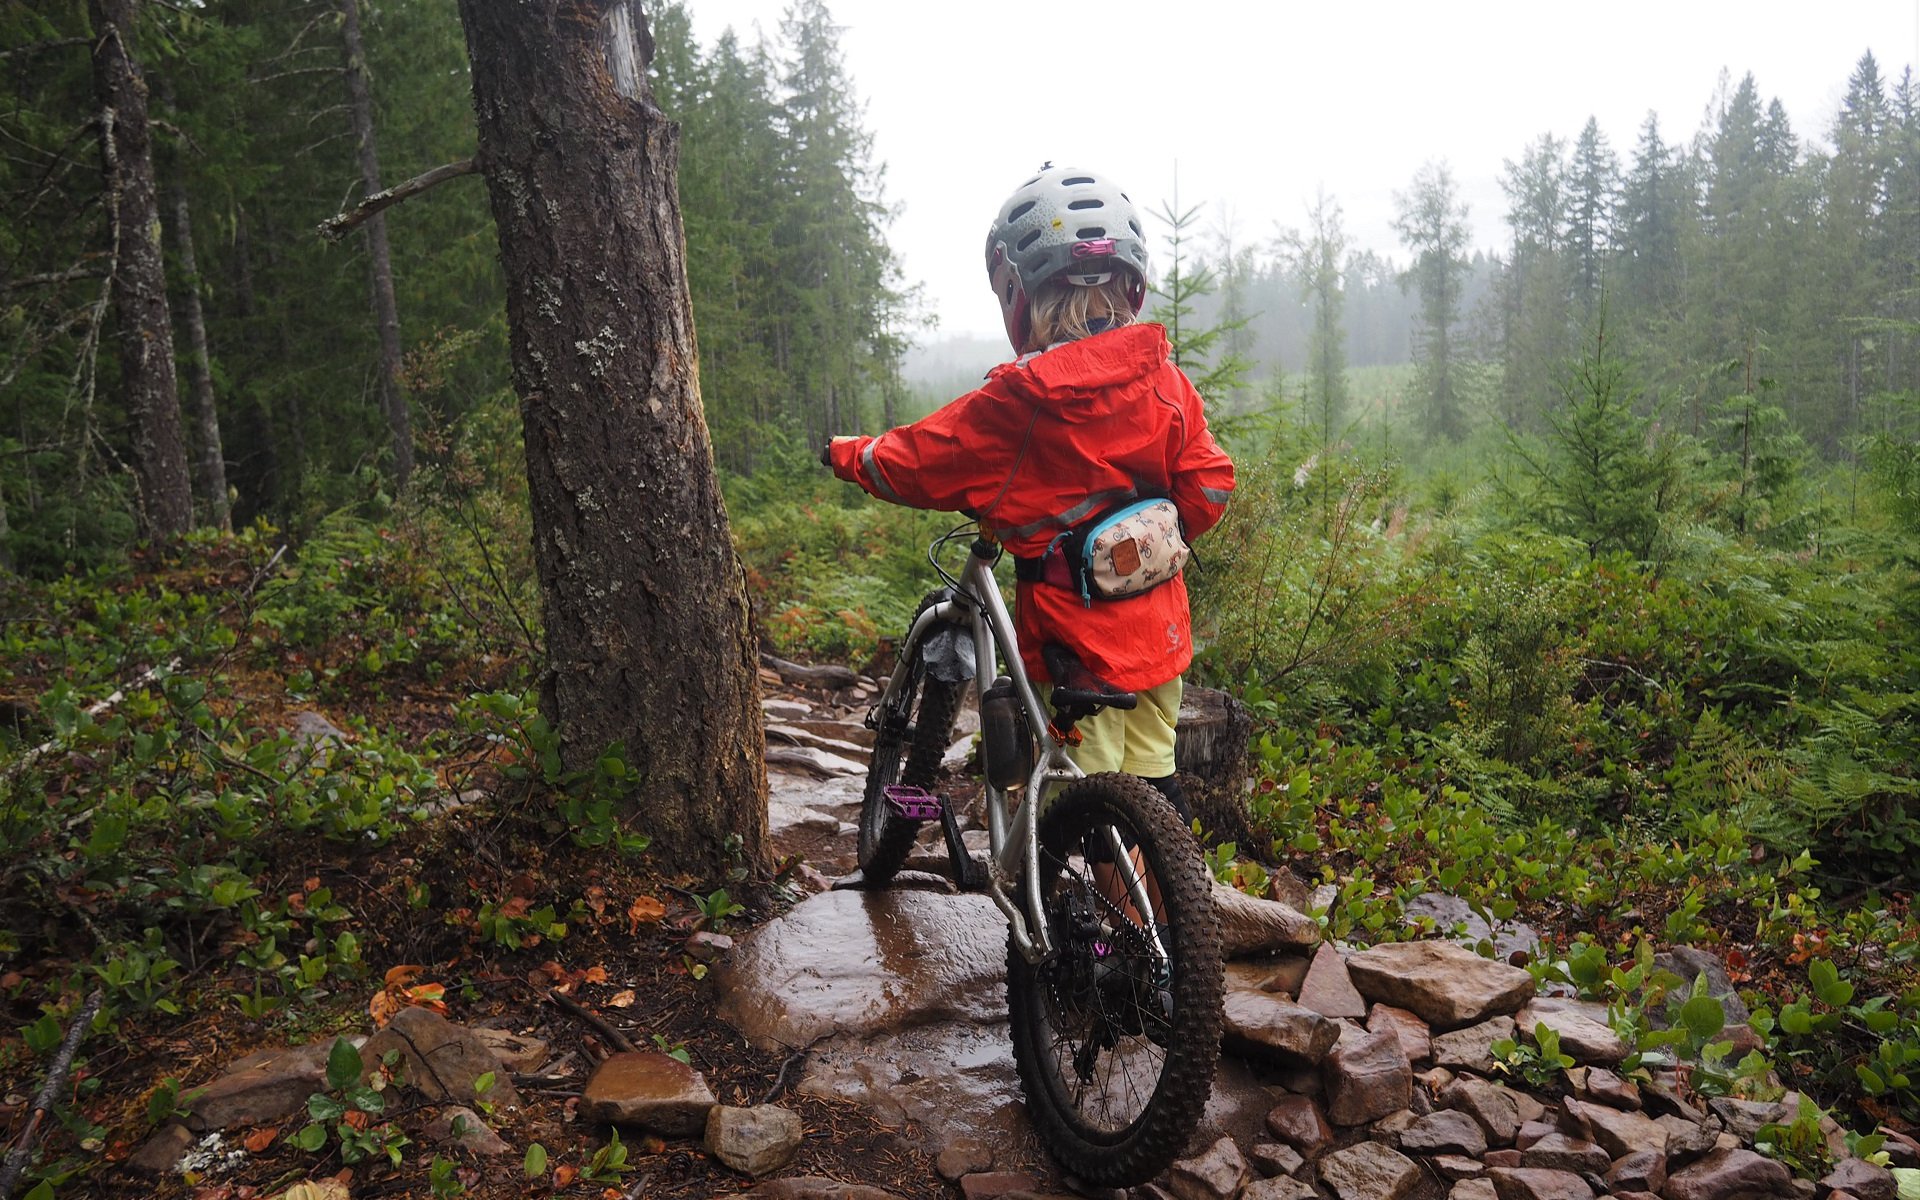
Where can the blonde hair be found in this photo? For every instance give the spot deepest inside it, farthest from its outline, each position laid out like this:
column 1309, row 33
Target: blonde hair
column 1061, row 311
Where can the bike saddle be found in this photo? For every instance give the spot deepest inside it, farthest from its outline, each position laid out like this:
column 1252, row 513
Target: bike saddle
column 1074, row 686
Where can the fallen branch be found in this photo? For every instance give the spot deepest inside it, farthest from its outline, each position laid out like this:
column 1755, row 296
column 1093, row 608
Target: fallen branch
column 335, row 228
column 119, row 694
column 826, row 678
column 575, row 1008
column 48, row 277
column 57, row 1072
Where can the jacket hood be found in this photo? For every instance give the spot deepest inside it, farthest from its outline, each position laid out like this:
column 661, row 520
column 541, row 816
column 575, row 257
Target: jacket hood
column 1088, row 368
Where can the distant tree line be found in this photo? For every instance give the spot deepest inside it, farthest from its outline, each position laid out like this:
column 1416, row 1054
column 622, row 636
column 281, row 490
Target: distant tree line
column 1750, row 273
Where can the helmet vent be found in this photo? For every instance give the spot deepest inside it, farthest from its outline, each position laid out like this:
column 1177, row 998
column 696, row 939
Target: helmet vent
column 1028, row 240
column 1077, row 180
column 1020, row 210
column 1078, row 205
column 1135, row 226
column 1091, row 231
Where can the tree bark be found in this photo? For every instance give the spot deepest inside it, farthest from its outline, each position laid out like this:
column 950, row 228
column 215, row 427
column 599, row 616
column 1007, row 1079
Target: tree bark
column 206, row 417
column 648, row 627
column 386, row 314
column 139, row 276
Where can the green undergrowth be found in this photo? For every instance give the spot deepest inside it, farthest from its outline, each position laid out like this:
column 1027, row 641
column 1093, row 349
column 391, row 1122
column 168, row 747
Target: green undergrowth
column 232, row 776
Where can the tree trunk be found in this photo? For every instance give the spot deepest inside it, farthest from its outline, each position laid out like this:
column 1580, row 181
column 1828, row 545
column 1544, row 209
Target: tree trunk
column 386, row 314
column 139, row 276
column 206, row 418
column 648, row 628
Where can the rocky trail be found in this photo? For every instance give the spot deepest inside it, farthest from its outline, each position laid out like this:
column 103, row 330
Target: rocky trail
column 1345, row 1073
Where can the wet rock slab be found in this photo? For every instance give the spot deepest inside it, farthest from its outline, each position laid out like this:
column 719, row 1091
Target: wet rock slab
column 652, row 1091
column 865, row 962
column 1445, row 985
column 948, row 1086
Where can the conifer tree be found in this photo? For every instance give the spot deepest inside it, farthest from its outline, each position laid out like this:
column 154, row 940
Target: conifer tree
column 1432, row 223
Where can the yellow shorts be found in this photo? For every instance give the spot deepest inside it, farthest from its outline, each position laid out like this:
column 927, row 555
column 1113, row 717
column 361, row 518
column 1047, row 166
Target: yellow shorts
column 1138, row 741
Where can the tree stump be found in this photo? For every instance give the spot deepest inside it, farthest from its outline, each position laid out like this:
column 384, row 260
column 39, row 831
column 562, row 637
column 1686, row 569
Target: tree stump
column 1210, row 754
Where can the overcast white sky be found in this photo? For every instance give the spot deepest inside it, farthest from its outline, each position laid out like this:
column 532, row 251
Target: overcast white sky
column 1260, row 103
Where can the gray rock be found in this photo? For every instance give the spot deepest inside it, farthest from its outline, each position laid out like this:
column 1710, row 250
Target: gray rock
column 972, row 1096
column 1493, row 1107
column 1559, row 1152
column 264, row 1086
column 1536, row 1183
column 963, row 1156
column 1216, row 1173
column 1471, row 1049
column 1616, row 1131
column 1447, row 986
column 863, row 963
column 1279, row 1188
column 753, row 1141
column 161, row 1153
column 1455, row 920
column 1602, row 1086
column 443, row 1061
column 516, row 1052
column 1250, row 926
column 649, row 1090
column 1730, row 1174
column 1328, row 989
column 1865, row 1180
column 1641, row 1171
column 1743, row 1118
column 462, row 1127
column 1298, row 1121
column 1473, row 1189
column 1369, row 1171
column 1458, row 1166
column 991, row 1185
column 1415, row 1038
column 1585, row 1036
column 1270, row 1027
column 1687, row 1140
column 1367, row 1079
column 1533, row 1131
column 1275, row 1158
column 1446, row 1132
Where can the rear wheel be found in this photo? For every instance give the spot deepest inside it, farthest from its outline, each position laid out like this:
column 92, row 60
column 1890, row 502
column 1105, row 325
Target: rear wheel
column 1116, row 1042
column 910, row 739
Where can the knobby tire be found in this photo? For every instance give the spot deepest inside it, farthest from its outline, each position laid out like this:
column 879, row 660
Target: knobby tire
column 1053, row 1019
column 920, row 726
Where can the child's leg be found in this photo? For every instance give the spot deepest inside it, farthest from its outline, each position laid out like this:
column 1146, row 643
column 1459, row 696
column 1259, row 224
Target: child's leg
column 1139, row 742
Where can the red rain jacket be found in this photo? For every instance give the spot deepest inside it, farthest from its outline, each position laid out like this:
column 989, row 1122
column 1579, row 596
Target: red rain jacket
column 1047, row 442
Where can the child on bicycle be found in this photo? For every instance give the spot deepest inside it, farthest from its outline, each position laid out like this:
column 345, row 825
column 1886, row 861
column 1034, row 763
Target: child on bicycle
column 1090, row 416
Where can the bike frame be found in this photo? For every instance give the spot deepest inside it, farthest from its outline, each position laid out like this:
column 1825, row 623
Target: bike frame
column 1013, row 836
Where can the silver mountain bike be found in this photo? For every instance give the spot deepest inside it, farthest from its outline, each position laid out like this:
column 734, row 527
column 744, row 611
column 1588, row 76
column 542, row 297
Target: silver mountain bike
column 1114, row 976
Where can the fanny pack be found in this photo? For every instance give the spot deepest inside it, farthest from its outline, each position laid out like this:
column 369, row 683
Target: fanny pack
column 1120, row 553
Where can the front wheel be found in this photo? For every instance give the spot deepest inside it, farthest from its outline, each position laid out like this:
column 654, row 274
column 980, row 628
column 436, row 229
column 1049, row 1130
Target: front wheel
column 1116, row 1042
column 910, row 739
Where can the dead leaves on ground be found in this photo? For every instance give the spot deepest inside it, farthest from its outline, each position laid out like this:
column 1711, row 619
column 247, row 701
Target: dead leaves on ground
column 552, row 975
column 399, row 991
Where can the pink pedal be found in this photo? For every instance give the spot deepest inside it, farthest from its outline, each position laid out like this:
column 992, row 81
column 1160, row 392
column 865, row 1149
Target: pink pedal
column 912, row 803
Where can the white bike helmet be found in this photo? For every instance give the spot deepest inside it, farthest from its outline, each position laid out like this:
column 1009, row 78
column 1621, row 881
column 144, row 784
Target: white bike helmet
column 1067, row 222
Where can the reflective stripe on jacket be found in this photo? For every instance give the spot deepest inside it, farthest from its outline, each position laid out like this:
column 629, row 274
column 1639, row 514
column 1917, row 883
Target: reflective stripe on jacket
column 1048, row 441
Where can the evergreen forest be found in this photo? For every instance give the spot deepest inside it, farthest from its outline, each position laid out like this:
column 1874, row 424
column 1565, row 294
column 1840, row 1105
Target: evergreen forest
column 1579, row 579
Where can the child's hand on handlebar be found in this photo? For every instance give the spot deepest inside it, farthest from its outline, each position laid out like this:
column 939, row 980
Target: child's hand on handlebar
column 826, row 451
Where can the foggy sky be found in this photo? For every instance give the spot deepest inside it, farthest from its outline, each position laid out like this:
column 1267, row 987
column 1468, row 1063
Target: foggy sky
column 1260, row 104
